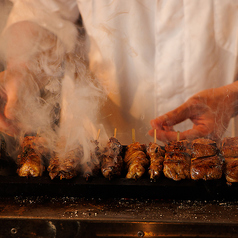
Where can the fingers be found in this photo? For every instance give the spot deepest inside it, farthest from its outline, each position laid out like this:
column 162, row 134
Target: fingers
column 196, row 132
column 171, row 118
column 165, row 136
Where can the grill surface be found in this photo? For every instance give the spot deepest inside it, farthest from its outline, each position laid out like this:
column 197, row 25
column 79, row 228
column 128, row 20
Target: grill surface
column 41, row 207
column 125, row 217
column 100, row 187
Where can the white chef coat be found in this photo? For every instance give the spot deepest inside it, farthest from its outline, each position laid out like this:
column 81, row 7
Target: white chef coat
column 150, row 55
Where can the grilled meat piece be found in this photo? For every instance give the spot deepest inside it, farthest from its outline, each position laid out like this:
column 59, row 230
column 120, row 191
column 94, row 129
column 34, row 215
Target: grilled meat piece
column 156, row 155
column 203, row 147
column 177, row 160
column 231, row 170
column 230, row 141
column 93, row 166
column 177, row 165
column 204, row 141
column 112, row 162
column 230, row 147
column 206, row 164
column 179, row 146
column 136, row 161
column 207, row 168
column 67, row 167
column 229, row 150
column 29, row 160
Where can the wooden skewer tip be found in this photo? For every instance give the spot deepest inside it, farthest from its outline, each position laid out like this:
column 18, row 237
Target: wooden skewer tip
column 98, row 134
column 178, row 135
column 133, row 135
column 155, row 136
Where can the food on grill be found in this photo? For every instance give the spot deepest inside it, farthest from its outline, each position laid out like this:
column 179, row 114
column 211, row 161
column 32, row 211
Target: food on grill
column 177, row 160
column 203, row 147
column 178, row 146
column 177, row 166
column 207, row 168
column 67, row 166
column 92, row 167
column 156, row 155
column 229, row 150
column 206, row 163
column 231, row 170
column 112, row 161
column 29, row 161
column 136, row 160
column 230, row 147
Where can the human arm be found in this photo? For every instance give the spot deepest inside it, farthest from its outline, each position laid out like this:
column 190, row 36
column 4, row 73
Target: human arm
column 209, row 110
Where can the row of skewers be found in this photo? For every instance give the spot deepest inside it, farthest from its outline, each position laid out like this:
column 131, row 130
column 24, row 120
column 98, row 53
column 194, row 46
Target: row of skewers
column 182, row 159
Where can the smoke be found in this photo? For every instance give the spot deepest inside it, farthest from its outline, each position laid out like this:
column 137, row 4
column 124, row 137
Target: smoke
column 59, row 98
column 5, row 8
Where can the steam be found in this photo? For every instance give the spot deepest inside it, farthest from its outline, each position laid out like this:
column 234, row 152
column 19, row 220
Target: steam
column 5, row 7
column 60, row 98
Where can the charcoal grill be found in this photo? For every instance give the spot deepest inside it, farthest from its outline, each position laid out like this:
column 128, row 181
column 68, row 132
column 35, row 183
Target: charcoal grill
column 41, row 207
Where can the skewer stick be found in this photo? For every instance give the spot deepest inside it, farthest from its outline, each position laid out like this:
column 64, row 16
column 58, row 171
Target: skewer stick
column 178, row 135
column 155, row 136
column 115, row 132
column 133, row 136
column 38, row 132
column 98, row 134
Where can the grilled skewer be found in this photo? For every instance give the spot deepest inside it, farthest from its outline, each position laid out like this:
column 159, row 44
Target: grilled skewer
column 231, row 170
column 229, row 147
column 65, row 163
column 206, row 162
column 203, row 147
column 67, row 167
column 92, row 167
column 136, row 161
column 29, row 161
column 112, row 162
column 156, row 155
column 177, row 160
column 229, row 150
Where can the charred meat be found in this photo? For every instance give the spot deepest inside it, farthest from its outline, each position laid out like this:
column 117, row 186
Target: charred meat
column 203, row 147
column 136, row 160
column 156, row 156
column 65, row 167
column 231, row 170
column 112, row 161
column 93, row 166
column 230, row 147
column 229, row 150
column 182, row 146
column 206, row 163
column 177, row 165
column 29, row 161
column 207, row 168
column 177, row 160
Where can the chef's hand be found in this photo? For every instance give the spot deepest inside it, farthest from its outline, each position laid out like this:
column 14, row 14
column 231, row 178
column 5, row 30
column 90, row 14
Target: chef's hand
column 209, row 110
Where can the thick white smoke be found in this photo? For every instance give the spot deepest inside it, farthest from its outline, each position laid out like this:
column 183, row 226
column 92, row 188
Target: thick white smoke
column 60, row 98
